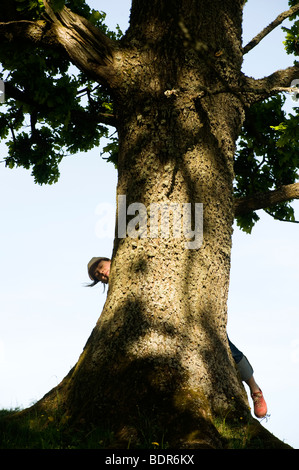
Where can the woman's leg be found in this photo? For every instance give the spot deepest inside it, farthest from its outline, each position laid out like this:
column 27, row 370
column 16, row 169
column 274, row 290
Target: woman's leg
column 246, row 373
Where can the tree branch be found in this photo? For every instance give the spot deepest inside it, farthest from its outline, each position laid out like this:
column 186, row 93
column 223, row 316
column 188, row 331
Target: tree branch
column 255, row 90
column 87, row 47
column 281, row 219
column 266, row 200
column 280, row 18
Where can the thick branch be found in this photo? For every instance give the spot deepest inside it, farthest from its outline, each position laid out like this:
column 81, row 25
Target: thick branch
column 266, row 200
column 280, row 18
column 87, row 47
column 259, row 89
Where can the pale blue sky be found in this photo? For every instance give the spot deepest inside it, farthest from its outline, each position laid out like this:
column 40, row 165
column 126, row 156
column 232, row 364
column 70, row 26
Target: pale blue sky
column 49, row 233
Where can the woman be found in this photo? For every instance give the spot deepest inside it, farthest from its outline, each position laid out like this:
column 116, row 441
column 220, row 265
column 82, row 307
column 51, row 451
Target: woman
column 99, row 269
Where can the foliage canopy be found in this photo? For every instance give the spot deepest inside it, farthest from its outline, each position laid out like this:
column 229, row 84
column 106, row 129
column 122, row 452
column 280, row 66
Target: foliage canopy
column 52, row 110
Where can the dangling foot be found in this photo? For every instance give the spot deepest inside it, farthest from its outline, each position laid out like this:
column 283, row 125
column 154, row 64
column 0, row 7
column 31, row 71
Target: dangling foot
column 260, row 406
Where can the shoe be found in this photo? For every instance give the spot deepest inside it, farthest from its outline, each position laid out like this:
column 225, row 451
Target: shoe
column 260, row 406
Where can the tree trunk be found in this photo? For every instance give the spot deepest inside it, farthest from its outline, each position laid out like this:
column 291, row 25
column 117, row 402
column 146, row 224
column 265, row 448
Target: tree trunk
column 159, row 352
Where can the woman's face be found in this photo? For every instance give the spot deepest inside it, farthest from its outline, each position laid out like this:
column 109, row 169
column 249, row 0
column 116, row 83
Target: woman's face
column 102, row 271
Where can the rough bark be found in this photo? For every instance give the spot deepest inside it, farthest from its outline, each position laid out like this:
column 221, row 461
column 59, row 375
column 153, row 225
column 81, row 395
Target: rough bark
column 159, row 351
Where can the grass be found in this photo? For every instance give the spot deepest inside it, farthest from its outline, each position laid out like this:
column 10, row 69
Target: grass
column 29, row 431
column 43, row 432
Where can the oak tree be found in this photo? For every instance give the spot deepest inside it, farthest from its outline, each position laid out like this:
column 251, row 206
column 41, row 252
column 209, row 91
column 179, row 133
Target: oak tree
column 173, row 88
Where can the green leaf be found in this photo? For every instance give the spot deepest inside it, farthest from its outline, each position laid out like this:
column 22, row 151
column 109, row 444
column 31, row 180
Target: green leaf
column 267, row 156
column 247, row 222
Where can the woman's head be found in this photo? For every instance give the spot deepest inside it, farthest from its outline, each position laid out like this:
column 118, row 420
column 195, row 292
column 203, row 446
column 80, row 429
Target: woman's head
column 99, row 270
